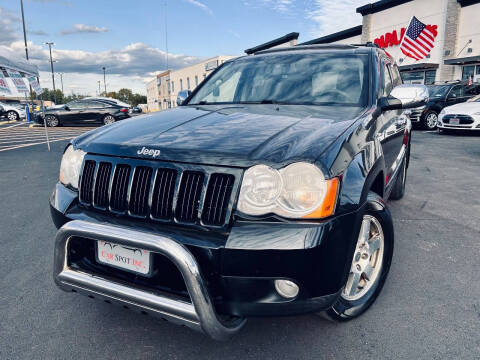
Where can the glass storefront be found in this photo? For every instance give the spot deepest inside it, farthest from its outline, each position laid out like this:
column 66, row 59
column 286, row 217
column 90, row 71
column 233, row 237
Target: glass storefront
column 471, row 71
column 419, row 77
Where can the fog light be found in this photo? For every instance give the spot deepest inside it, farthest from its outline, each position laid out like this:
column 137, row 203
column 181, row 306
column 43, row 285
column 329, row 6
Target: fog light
column 286, row 288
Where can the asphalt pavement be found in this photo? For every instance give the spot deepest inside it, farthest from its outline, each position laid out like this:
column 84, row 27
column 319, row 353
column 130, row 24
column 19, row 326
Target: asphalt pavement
column 429, row 307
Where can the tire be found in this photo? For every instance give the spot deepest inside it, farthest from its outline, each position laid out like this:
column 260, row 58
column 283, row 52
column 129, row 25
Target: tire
column 429, row 121
column 352, row 304
column 52, row 121
column 108, row 119
column 399, row 187
column 12, row 115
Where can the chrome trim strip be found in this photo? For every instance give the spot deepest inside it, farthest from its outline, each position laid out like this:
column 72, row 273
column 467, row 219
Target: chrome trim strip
column 199, row 315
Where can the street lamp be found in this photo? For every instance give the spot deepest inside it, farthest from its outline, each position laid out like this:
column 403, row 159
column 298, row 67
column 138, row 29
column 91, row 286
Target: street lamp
column 50, row 44
column 104, row 82
column 99, row 91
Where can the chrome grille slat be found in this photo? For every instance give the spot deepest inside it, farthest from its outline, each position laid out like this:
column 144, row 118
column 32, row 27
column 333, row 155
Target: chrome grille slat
column 160, row 193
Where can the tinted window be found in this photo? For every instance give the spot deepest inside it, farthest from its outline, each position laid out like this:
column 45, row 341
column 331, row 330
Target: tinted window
column 96, row 105
column 318, row 79
column 438, row 91
column 77, row 105
column 472, row 90
column 457, row 91
column 387, row 81
column 430, row 76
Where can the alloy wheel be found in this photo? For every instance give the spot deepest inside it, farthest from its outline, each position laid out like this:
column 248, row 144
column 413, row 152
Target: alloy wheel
column 52, row 121
column 432, row 120
column 12, row 115
column 109, row 119
column 367, row 259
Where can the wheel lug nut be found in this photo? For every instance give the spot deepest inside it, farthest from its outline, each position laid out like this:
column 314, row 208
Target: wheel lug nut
column 359, row 267
column 364, row 256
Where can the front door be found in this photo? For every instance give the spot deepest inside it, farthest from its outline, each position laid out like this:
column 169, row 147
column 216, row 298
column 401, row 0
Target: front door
column 76, row 112
column 455, row 95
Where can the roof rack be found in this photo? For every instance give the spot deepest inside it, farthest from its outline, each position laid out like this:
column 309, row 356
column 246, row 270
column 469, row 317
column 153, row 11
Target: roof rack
column 275, row 42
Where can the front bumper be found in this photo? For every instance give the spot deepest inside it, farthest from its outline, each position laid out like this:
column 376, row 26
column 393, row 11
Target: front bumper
column 233, row 273
column 467, row 122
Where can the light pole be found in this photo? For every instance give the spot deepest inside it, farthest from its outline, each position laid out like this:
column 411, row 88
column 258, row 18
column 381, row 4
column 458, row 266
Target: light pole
column 51, row 66
column 104, row 82
column 61, row 80
column 99, row 91
column 24, row 32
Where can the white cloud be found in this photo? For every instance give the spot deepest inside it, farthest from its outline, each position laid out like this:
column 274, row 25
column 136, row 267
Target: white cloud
column 200, row 5
column 332, row 16
column 8, row 26
column 281, row 6
column 82, row 29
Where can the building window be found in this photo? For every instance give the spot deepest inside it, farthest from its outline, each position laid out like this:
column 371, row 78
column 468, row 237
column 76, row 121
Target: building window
column 173, row 86
column 413, row 77
column 181, row 84
column 468, row 71
column 169, row 88
column 430, row 77
column 188, row 83
column 196, row 80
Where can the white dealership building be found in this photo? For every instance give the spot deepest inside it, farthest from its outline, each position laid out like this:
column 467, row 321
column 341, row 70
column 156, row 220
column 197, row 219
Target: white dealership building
column 456, row 25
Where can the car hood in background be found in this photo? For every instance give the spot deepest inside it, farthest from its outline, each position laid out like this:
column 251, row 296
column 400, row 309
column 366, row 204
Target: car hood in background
column 467, row 108
column 225, row 135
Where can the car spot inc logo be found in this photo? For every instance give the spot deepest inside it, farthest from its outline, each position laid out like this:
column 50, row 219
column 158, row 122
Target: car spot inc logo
column 152, row 152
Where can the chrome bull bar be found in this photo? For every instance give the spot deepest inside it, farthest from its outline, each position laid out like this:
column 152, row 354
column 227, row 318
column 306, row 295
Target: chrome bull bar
column 199, row 314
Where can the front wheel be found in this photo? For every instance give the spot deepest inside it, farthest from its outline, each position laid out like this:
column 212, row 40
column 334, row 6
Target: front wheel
column 429, row 121
column 108, row 119
column 52, row 121
column 12, row 115
column 370, row 264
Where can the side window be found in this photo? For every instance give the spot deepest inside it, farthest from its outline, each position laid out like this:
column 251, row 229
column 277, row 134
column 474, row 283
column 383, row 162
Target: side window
column 472, row 90
column 77, row 105
column 387, row 80
column 95, row 105
column 397, row 79
column 456, row 92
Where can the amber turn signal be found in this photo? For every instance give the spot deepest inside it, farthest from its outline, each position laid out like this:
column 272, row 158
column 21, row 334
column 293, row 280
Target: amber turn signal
column 327, row 207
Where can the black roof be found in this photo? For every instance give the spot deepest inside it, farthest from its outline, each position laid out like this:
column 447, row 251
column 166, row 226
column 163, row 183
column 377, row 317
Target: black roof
column 379, row 6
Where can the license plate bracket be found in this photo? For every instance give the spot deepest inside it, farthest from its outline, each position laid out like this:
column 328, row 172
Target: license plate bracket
column 454, row 121
column 134, row 260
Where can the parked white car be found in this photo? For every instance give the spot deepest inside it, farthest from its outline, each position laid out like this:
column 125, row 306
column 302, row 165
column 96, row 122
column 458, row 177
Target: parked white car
column 12, row 112
column 463, row 116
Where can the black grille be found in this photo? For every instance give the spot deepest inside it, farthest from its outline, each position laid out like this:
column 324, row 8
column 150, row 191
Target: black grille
column 140, row 190
column 463, row 119
column 86, row 186
column 163, row 192
column 217, row 197
column 101, row 185
column 118, row 201
column 189, row 196
column 133, row 189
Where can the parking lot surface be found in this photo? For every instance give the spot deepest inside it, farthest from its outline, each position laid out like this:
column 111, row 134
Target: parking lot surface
column 19, row 135
column 429, row 308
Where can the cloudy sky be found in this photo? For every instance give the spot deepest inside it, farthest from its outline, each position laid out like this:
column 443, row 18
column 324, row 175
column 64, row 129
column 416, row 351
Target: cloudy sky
column 128, row 38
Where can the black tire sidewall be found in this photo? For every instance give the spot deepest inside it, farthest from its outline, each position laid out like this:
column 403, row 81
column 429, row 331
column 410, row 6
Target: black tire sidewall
column 344, row 310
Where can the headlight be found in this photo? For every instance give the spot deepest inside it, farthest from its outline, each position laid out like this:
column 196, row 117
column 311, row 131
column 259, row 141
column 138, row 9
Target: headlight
column 70, row 166
column 442, row 112
column 299, row 190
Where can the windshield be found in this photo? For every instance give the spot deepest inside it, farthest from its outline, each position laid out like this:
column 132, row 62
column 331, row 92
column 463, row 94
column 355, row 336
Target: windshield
column 314, row 79
column 438, row 90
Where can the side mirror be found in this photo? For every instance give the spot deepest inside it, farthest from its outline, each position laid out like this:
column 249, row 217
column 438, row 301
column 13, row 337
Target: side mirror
column 407, row 97
column 182, row 96
column 67, row 108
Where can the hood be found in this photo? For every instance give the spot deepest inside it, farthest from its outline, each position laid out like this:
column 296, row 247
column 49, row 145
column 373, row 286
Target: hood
column 466, row 108
column 232, row 136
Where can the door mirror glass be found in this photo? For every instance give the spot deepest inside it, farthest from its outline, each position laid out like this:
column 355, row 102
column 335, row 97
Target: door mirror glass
column 410, row 96
column 182, row 96
column 67, row 108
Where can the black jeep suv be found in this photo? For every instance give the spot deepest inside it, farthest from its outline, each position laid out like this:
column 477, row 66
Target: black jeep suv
column 442, row 95
column 264, row 194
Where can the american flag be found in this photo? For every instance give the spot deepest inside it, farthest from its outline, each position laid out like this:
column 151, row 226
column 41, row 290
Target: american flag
column 418, row 40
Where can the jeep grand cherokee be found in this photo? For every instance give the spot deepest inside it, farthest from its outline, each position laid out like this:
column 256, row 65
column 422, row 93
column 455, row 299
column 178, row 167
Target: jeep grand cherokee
column 262, row 195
